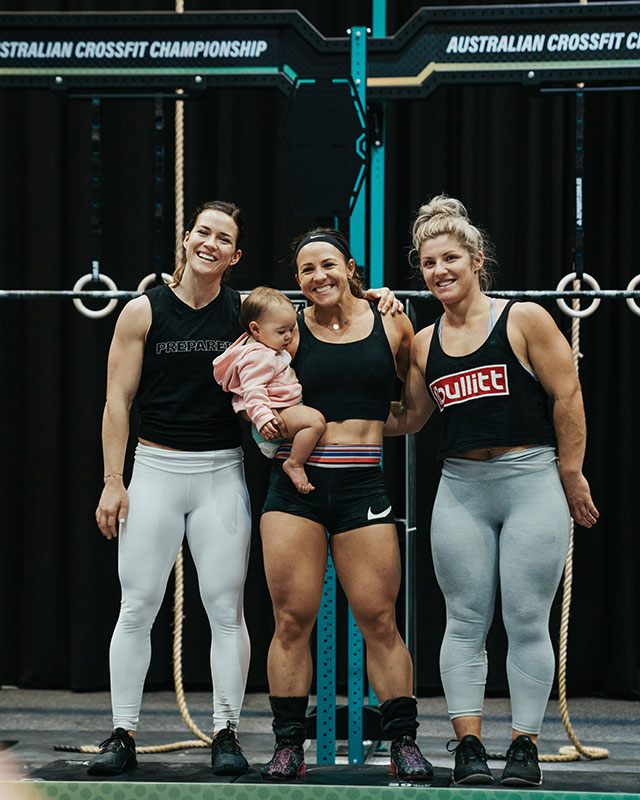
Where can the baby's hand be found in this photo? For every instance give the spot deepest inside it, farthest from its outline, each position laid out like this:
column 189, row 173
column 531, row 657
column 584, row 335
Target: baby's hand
column 269, row 431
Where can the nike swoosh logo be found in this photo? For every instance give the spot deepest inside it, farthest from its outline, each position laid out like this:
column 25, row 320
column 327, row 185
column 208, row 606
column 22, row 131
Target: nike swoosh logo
column 385, row 513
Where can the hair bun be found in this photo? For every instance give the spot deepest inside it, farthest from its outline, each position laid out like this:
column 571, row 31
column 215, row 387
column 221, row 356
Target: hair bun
column 442, row 205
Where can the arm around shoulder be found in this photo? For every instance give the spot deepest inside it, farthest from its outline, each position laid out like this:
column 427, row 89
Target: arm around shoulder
column 399, row 332
column 403, row 336
column 412, row 412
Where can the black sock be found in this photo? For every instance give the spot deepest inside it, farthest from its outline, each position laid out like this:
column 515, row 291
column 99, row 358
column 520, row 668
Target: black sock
column 289, row 718
column 399, row 717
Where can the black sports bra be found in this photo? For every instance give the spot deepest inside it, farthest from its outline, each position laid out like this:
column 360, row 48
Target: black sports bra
column 354, row 380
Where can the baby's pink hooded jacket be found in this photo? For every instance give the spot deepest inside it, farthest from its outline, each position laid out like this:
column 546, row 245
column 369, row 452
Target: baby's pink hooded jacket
column 259, row 378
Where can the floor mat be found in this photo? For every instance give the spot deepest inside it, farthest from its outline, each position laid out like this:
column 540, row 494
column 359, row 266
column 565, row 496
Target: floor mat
column 146, row 772
column 573, row 780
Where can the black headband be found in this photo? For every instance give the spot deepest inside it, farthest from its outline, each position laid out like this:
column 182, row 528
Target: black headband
column 323, row 237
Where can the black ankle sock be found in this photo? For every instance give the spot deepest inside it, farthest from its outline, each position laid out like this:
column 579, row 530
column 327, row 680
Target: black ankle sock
column 399, row 717
column 289, row 718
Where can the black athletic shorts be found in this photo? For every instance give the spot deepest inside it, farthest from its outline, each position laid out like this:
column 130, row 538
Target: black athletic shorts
column 345, row 498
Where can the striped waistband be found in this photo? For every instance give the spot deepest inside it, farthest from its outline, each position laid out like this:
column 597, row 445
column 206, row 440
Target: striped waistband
column 339, row 455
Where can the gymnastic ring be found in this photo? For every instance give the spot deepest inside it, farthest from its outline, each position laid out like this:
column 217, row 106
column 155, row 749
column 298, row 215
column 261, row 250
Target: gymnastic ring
column 572, row 312
column 90, row 312
column 631, row 302
column 150, row 279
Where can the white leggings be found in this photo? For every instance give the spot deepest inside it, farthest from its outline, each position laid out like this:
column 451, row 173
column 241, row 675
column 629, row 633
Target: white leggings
column 504, row 520
column 202, row 495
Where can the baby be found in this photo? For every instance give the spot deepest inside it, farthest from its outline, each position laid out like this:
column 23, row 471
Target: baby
column 256, row 369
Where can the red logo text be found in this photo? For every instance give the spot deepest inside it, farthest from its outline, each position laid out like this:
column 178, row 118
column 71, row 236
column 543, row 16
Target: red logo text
column 471, row 384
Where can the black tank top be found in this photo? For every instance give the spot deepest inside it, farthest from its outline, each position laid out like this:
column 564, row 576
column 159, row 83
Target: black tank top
column 354, row 380
column 181, row 405
column 487, row 398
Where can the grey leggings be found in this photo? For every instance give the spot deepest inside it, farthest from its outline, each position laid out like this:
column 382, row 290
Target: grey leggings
column 503, row 520
column 172, row 494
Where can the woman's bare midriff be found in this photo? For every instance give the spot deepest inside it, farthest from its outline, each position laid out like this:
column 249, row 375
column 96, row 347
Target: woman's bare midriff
column 485, row 453
column 353, row 431
column 155, row 444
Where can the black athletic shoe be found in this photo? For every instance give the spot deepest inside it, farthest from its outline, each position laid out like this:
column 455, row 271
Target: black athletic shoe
column 227, row 757
column 522, row 764
column 471, row 761
column 117, row 754
column 407, row 762
column 287, row 763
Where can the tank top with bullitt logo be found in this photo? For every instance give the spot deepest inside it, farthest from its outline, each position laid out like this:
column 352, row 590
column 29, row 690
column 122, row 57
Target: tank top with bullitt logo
column 487, row 398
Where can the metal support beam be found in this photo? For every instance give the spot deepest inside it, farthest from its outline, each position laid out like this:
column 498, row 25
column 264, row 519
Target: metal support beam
column 96, row 188
column 357, row 226
column 578, row 255
column 377, row 124
column 159, row 255
column 357, row 243
column 410, row 544
column 326, row 671
column 356, row 692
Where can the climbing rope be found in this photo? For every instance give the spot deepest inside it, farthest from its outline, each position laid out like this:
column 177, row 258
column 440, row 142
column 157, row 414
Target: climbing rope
column 179, row 165
column 179, row 178
column 570, row 753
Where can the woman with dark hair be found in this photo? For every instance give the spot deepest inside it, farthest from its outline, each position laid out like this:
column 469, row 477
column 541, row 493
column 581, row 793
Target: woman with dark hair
column 511, row 480
column 188, row 480
column 346, row 357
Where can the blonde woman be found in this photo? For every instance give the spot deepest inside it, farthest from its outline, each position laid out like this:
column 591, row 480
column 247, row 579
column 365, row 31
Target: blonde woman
column 512, row 444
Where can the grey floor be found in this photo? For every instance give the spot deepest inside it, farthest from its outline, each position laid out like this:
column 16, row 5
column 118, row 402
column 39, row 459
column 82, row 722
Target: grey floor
column 37, row 720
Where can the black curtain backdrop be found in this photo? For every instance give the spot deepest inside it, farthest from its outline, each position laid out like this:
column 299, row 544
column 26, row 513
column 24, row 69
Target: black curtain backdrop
column 508, row 154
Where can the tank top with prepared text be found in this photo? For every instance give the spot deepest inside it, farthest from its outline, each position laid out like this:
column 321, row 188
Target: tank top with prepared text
column 180, row 403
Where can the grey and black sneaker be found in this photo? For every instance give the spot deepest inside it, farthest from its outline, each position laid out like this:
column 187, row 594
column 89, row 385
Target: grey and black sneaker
column 470, row 761
column 117, row 754
column 227, row 757
column 522, row 764
column 407, row 762
column 287, row 763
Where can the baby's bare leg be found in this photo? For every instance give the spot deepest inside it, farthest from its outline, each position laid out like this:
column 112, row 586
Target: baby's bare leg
column 306, row 425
